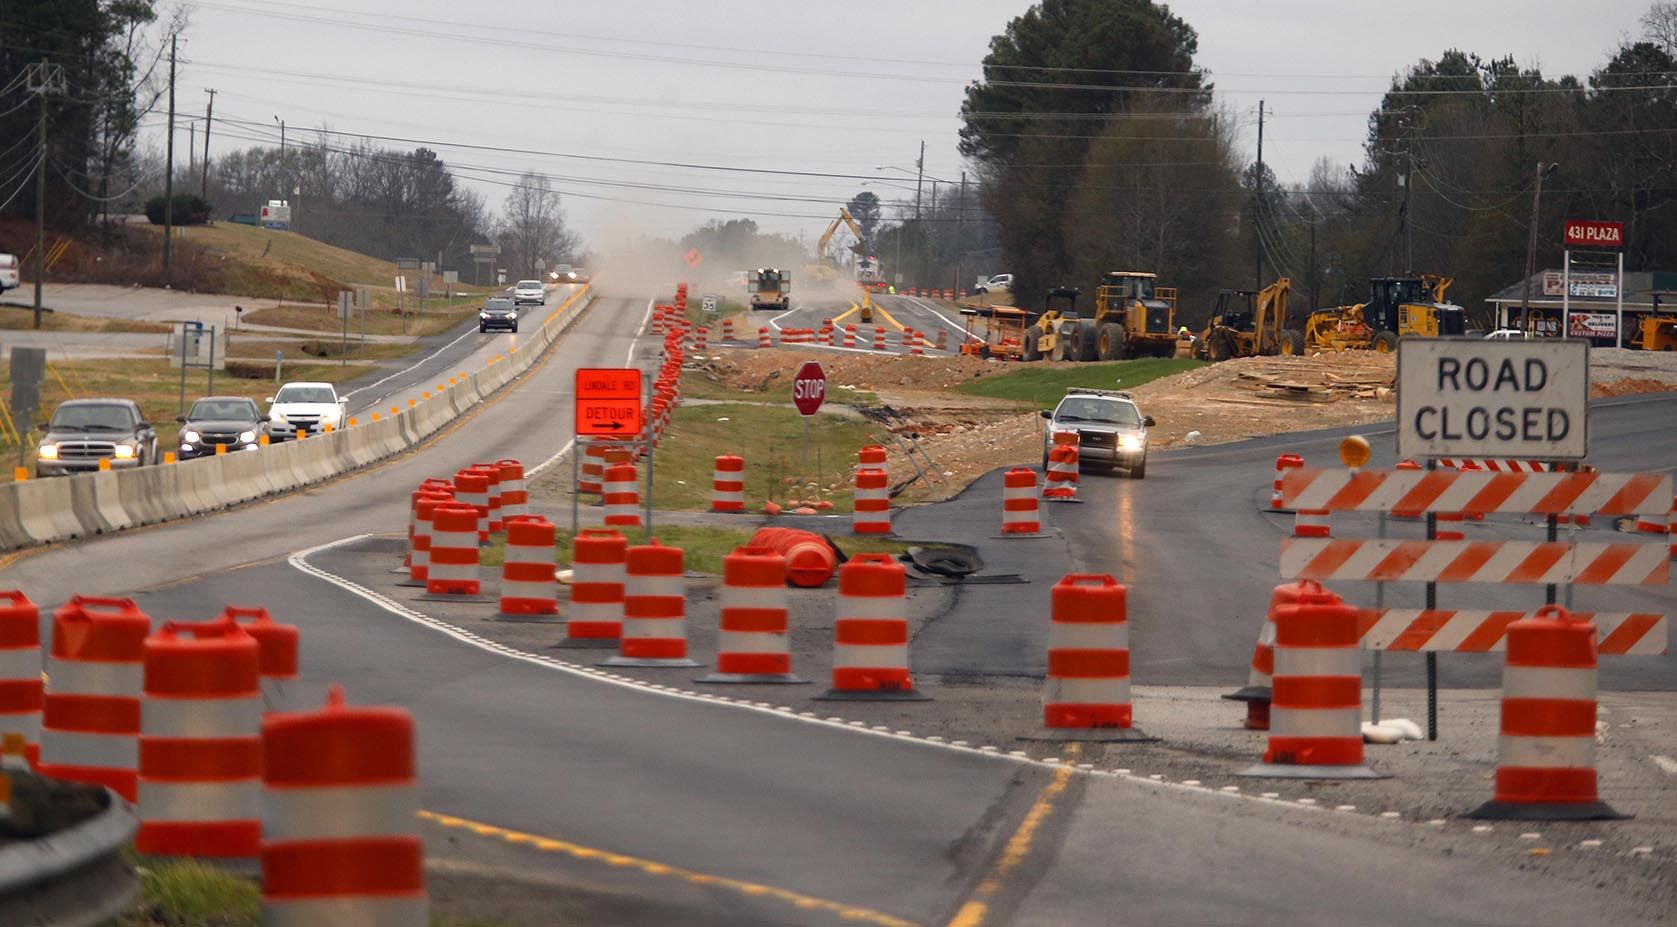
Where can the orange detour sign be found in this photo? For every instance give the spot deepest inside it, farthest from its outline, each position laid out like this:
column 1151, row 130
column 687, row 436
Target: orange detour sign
column 608, row 401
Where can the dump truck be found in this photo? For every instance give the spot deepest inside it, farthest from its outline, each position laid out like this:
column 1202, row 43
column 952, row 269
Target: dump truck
column 1396, row 306
column 1249, row 323
column 769, row 288
column 1132, row 317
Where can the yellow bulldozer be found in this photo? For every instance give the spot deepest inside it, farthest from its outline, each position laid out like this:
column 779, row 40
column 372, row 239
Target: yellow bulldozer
column 1653, row 331
column 1396, row 306
column 1133, row 317
column 1249, row 323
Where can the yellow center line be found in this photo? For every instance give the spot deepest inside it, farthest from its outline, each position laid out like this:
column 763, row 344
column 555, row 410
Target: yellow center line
column 1015, row 851
column 839, row 319
column 887, row 317
column 846, row 912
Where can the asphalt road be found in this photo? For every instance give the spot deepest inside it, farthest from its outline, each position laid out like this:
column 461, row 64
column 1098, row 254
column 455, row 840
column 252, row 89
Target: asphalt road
column 896, row 828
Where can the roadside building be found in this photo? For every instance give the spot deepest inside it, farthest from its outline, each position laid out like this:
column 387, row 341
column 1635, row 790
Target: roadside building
column 1593, row 307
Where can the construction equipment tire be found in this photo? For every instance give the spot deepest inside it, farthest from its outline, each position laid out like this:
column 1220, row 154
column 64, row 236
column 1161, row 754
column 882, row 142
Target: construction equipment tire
column 1292, row 343
column 1221, row 346
column 1110, row 341
column 1031, row 350
column 1085, row 346
column 1386, row 342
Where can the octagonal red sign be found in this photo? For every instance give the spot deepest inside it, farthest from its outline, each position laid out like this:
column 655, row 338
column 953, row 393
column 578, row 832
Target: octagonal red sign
column 809, row 388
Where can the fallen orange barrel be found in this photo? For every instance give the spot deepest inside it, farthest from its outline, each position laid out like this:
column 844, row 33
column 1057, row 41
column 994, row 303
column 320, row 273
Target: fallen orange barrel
column 810, row 559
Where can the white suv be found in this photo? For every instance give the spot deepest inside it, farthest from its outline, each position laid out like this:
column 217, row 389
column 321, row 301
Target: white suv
column 305, row 407
column 528, row 291
column 8, row 272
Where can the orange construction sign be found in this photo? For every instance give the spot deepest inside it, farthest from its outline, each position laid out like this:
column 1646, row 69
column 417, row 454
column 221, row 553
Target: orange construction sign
column 608, row 401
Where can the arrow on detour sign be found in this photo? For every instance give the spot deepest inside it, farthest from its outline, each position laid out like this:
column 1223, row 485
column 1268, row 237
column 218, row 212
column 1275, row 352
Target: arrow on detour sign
column 608, row 401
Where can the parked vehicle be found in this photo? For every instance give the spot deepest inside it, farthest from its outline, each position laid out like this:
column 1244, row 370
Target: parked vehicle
column 1111, row 430
column 233, row 422
column 1510, row 334
column 8, row 272
column 306, row 408
column 498, row 312
column 1000, row 283
column 83, row 432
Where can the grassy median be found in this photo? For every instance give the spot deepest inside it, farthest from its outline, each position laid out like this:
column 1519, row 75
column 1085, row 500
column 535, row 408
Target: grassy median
column 1043, row 386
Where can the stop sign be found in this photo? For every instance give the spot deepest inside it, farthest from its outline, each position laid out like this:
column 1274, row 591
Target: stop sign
column 809, row 388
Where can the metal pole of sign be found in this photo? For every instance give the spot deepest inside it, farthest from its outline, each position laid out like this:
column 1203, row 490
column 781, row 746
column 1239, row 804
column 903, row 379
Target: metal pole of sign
column 1432, row 656
column 577, row 449
column 1379, row 603
column 209, row 385
column 344, row 310
column 1554, row 535
column 805, row 460
column 181, row 410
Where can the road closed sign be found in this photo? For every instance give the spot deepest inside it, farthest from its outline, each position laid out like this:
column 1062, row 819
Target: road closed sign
column 1527, row 400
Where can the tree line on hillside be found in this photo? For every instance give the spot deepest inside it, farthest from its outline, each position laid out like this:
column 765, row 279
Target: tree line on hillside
column 1098, row 146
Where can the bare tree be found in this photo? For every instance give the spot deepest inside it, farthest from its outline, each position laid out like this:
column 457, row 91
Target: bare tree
column 533, row 226
column 1659, row 24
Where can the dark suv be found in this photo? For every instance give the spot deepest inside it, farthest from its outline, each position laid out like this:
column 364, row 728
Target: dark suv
column 498, row 312
column 230, row 421
column 85, row 431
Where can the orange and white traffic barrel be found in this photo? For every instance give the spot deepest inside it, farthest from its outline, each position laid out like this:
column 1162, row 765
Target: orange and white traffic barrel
column 870, row 631
column 1282, row 464
column 916, row 343
column 90, row 718
column 529, row 588
column 1086, row 694
column 427, row 487
column 1315, row 722
column 1259, row 683
column 453, row 569
column 850, row 336
column 943, row 339
column 1546, row 753
column 1019, row 503
column 200, row 780
column 515, row 499
column 593, row 468
column 597, row 576
column 871, row 507
column 492, row 472
column 752, row 641
column 701, row 339
column 419, row 569
column 871, row 456
column 21, row 690
column 471, row 487
column 878, row 338
column 728, row 329
column 654, row 608
column 340, row 806
column 763, row 340
column 1060, row 482
column 727, row 484
column 622, row 496
column 276, row 651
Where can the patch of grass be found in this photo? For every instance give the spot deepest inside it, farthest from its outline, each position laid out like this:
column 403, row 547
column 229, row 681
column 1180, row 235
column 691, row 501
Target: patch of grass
column 23, row 319
column 192, row 894
column 1043, row 386
column 257, row 346
column 697, row 386
column 425, row 317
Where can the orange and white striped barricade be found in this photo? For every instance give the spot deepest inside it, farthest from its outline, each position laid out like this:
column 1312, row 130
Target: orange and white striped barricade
column 597, row 576
column 871, row 507
column 1020, row 514
column 1405, row 514
column 943, row 339
column 1086, row 695
column 1638, row 634
column 21, row 690
column 1060, row 482
column 419, row 569
column 1259, row 683
column 870, row 632
column 872, row 457
column 752, row 639
column 878, row 338
column 593, row 468
column 529, row 583
column 654, row 609
column 276, row 651
column 515, row 498
column 340, row 813
column 727, row 484
column 90, row 717
column 1546, row 752
column 471, row 487
column 1315, row 723
column 850, row 336
column 453, row 572
column 763, row 339
column 200, row 742
column 492, row 472
column 622, row 497
column 1283, row 464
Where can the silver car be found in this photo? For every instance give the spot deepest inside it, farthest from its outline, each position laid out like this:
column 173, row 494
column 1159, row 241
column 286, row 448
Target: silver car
column 1110, row 428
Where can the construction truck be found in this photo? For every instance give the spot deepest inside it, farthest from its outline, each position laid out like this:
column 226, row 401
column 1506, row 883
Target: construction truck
column 1133, row 317
column 1249, row 323
column 769, row 288
column 1396, row 306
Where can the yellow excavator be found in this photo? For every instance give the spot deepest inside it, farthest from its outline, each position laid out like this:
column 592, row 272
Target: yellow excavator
column 867, row 266
column 1249, row 323
column 1396, row 306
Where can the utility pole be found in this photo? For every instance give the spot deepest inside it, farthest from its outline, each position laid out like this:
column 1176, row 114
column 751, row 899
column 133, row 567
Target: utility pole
column 42, row 79
column 191, row 146
column 1543, row 170
column 919, row 229
column 960, row 223
column 1257, row 206
column 169, row 169
column 1408, row 227
column 209, row 113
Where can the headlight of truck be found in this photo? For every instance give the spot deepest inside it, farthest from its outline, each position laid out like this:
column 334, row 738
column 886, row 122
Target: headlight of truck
column 1130, row 442
column 484, row 316
column 47, row 452
column 124, row 451
column 246, row 437
column 190, row 436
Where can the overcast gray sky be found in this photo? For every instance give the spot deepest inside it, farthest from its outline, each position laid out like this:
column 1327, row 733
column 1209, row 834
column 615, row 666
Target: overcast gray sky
column 841, row 88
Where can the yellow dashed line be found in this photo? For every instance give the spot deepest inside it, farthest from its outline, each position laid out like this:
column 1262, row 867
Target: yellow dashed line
column 1018, row 847
column 577, row 851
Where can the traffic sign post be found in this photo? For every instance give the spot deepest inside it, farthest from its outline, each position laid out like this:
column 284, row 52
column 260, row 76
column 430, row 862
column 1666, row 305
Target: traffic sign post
column 1527, row 400
column 809, row 391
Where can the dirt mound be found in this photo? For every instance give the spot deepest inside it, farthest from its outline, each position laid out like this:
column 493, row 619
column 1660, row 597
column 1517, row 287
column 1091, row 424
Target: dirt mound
column 756, row 370
column 1630, row 386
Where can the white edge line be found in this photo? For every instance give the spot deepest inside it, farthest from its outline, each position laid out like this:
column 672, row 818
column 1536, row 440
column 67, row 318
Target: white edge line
column 299, row 561
column 424, row 360
column 958, row 326
column 559, row 455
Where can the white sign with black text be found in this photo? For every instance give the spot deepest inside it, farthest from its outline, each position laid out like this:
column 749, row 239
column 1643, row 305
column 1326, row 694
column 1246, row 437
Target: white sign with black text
column 1525, row 400
column 708, row 304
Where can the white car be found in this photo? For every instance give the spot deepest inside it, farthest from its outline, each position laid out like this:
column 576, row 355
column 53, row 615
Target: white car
column 305, row 407
column 528, row 291
column 1000, row 283
column 1510, row 334
column 8, row 272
